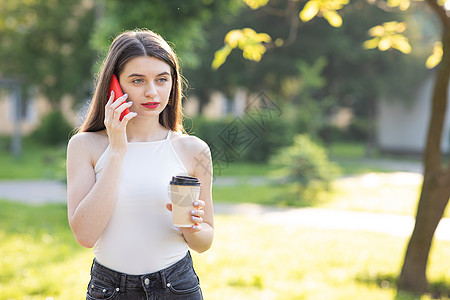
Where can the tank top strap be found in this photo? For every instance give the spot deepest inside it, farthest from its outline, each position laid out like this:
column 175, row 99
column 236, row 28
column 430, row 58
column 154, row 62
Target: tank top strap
column 168, row 135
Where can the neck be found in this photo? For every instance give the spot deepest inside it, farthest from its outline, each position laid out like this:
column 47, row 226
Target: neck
column 145, row 130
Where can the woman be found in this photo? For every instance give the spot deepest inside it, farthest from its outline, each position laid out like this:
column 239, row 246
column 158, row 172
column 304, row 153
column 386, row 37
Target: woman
column 118, row 174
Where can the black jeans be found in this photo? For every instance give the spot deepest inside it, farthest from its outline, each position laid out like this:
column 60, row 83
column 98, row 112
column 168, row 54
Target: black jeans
column 178, row 281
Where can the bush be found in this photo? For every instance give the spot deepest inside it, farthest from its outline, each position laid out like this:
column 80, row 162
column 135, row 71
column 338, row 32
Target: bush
column 209, row 131
column 275, row 134
column 254, row 143
column 54, row 129
column 306, row 163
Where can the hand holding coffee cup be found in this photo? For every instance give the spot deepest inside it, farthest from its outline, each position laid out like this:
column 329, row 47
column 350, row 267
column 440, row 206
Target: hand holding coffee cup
column 184, row 195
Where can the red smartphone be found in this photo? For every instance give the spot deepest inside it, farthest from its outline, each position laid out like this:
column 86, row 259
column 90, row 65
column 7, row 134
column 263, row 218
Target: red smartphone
column 115, row 86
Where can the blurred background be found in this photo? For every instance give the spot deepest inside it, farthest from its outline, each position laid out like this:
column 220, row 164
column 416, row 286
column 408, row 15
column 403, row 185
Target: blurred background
column 317, row 114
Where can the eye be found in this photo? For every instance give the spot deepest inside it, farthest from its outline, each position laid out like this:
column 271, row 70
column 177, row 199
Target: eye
column 137, row 81
column 162, row 79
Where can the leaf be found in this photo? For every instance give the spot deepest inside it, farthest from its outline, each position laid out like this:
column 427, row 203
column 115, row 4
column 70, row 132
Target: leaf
column 248, row 40
column 376, row 30
column 385, row 43
column 401, row 26
column 434, row 59
column 371, row 44
column 255, row 4
column 309, row 11
column 333, row 18
column 233, row 37
column 401, row 4
column 388, row 35
column 390, row 26
column 401, row 43
column 254, row 52
column 263, row 37
column 220, row 56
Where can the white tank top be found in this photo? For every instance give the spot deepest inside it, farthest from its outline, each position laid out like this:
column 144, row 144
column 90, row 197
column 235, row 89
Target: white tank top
column 140, row 237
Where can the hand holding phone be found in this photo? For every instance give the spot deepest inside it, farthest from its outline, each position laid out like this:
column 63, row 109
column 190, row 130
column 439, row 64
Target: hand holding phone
column 115, row 87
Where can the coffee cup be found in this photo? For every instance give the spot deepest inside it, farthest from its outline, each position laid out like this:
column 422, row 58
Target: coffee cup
column 184, row 191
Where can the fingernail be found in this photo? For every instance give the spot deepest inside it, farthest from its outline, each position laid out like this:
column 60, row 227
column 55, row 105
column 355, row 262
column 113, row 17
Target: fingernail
column 193, row 212
column 195, row 227
column 195, row 203
column 193, row 218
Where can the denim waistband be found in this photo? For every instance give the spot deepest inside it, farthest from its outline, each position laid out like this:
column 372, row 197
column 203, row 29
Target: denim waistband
column 151, row 280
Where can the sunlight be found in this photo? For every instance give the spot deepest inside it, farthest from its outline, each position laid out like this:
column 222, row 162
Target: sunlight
column 447, row 5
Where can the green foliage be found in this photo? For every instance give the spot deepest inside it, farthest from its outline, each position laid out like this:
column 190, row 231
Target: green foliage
column 178, row 21
column 249, row 41
column 44, row 44
column 304, row 91
column 209, row 131
column 318, row 67
column 307, row 164
column 265, row 139
column 53, row 129
column 356, row 131
column 276, row 133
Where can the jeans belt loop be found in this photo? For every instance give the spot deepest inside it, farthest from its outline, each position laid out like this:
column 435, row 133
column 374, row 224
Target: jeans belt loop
column 92, row 266
column 123, row 280
column 163, row 279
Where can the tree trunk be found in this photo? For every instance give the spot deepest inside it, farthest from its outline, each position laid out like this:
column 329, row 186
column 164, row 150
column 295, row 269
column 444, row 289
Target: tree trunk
column 433, row 200
column 436, row 184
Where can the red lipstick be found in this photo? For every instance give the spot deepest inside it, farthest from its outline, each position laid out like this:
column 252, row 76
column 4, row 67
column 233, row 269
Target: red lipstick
column 151, row 105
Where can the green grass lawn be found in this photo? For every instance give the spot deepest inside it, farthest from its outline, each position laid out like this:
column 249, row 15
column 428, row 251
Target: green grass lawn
column 242, row 169
column 396, row 193
column 39, row 162
column 36, row 162
column 351, row 157
column 250, row 259
column 364, row 193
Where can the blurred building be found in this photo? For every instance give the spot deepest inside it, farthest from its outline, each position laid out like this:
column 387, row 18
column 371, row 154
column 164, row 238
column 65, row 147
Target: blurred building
column 33, row 109
column 402, row 127
column 30, row 110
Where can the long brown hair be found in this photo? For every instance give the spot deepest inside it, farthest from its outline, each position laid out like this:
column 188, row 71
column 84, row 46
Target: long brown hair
column 128, row 45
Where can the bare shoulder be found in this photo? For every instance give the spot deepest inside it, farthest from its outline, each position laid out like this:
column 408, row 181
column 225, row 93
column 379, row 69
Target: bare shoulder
column 190, row 144
column 92, row 144
column 193, row 152
column 83, row 139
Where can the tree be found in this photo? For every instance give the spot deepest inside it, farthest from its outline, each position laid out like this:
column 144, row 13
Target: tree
column 177, row 21
column 436, row 183
column 44, row 44
column 186, row 23
column 435, row 192
column 351, row 74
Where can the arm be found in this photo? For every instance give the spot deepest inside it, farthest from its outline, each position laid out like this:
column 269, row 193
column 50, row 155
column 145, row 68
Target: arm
column 200, row 237
column 90, row 203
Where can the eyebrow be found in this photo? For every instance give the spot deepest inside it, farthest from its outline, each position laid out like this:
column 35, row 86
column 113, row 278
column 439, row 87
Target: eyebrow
column 140, row 75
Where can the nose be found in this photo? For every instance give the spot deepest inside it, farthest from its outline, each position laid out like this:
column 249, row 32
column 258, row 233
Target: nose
column 150, row 91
